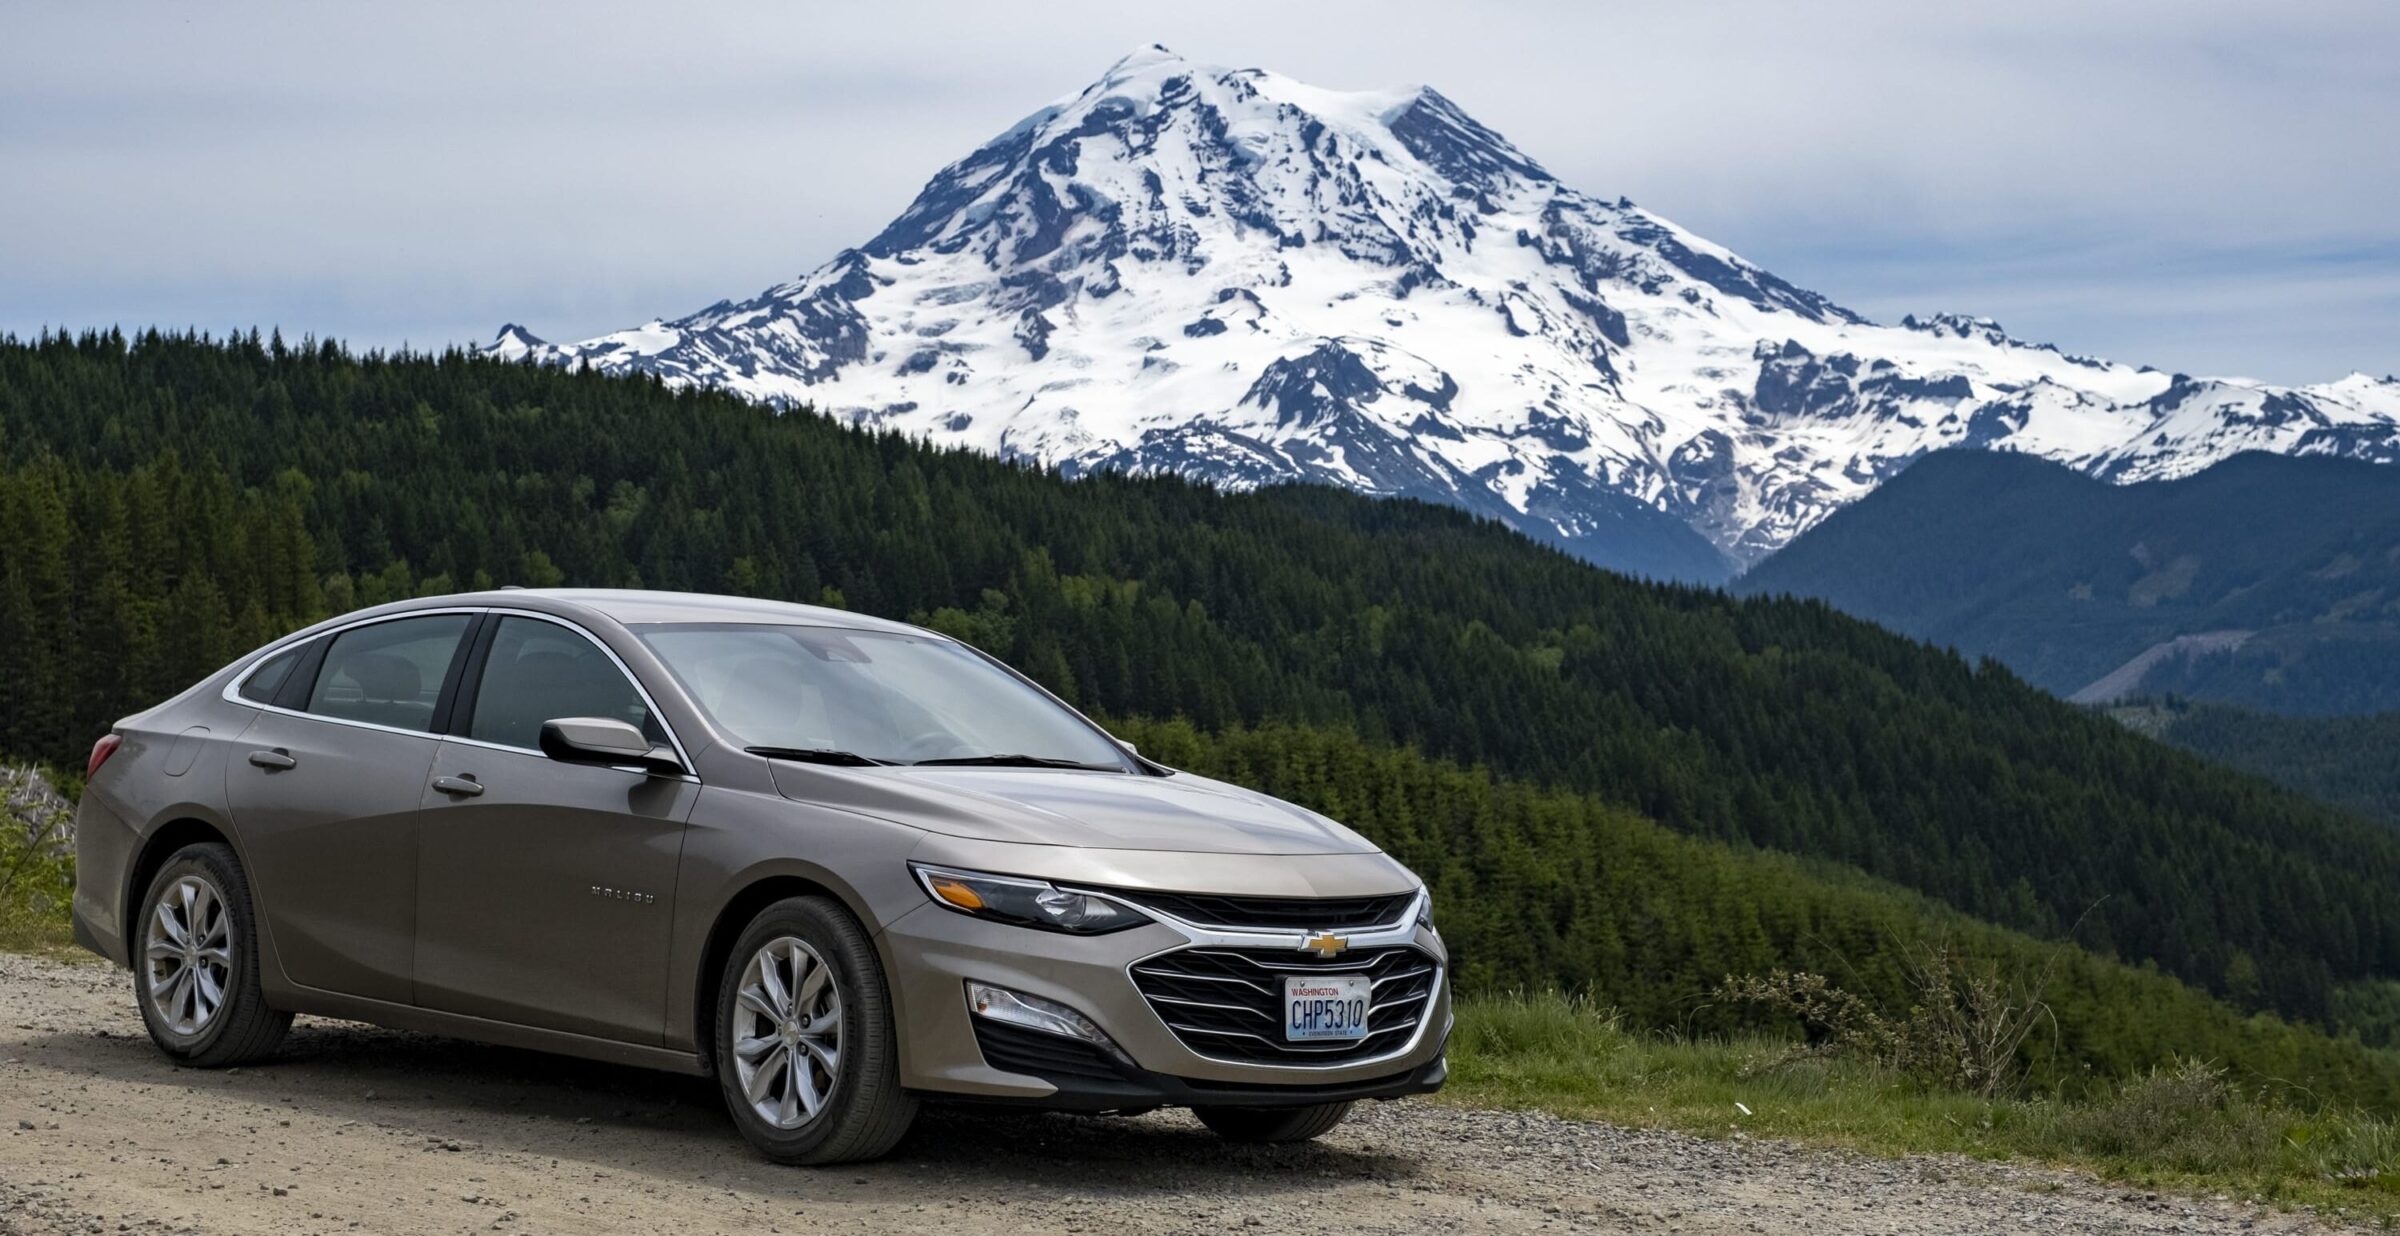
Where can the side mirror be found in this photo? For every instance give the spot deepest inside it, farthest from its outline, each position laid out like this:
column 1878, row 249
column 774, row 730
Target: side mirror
column 1130, row 749
column 604, row 740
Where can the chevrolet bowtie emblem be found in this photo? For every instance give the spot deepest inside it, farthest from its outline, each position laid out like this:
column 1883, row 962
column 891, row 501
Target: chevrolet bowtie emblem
column 1326, row 944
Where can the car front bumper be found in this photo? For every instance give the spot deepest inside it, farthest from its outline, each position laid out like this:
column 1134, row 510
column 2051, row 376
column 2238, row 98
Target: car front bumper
column 945, row 1048
column 1081, row 1077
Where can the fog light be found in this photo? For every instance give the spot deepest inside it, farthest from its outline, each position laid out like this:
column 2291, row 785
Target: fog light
column 1034, row 1013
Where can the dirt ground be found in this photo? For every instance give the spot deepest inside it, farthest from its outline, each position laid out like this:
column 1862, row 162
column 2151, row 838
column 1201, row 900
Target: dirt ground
column 359, row 1129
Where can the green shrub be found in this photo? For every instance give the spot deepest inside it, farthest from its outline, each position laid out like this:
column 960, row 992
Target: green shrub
column 37, row 860
column 1966, row 1027
column 2187, row 1117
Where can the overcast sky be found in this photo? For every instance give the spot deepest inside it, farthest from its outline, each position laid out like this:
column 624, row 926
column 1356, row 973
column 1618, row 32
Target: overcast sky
column 2201, row 186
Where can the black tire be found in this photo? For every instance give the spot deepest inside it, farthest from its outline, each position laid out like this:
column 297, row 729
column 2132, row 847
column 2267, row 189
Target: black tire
column 241, row 1028
column 1272, row 1124
column 864, row 1112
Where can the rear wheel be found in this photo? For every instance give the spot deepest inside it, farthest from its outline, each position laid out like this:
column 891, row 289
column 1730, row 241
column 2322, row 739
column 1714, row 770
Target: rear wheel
column 1272, row 1124
column 806, row 1054
column 196, row 974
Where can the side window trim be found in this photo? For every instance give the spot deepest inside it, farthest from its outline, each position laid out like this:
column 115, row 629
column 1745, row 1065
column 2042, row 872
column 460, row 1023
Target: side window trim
column 292, row 697
column 462, row 682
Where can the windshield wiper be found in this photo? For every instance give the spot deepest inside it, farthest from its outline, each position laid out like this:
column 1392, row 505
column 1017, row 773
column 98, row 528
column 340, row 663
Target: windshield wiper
column 817, row 755
column 1019, row 761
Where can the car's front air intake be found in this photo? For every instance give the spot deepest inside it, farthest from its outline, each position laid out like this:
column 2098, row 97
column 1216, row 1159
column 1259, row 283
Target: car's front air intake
column 1228, row 1003
column 1017, row 1049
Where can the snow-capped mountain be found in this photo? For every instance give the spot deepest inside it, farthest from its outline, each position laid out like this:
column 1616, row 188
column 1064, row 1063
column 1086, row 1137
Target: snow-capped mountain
column 1239, row 277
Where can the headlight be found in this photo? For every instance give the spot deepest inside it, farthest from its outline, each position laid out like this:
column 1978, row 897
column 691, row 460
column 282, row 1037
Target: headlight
column 1425, row 909
column 1026, row 903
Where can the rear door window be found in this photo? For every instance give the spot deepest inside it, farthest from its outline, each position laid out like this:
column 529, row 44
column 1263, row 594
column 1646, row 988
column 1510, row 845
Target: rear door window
column 389, row 673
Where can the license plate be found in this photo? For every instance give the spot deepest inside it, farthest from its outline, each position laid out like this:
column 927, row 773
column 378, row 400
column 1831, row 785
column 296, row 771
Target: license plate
column 1318, row 1007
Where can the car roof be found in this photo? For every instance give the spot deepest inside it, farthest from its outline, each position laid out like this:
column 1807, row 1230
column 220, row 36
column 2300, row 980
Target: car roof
column 635, row 605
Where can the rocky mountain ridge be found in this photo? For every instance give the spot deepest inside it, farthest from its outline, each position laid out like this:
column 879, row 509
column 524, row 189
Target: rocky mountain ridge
column 1233, row 275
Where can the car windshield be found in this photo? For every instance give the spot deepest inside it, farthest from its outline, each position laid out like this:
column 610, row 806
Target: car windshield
column 847, row 696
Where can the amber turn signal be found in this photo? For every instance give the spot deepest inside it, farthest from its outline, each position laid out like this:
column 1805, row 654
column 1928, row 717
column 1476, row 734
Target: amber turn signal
column 955, row 892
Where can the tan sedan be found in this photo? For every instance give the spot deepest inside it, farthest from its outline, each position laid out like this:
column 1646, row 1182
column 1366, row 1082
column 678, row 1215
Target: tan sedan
column 840, row 863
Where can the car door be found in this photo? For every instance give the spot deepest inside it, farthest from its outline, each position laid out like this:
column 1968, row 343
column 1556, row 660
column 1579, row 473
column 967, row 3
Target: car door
column 325, row 786
column 544, row 888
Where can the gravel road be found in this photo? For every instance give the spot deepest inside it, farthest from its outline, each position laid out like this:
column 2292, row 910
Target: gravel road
column 354, row 1128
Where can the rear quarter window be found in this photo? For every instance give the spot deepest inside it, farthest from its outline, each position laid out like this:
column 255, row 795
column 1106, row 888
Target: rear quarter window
column 270, row 675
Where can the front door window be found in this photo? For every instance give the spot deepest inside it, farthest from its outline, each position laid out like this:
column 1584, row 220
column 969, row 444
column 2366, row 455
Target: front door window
column 540, row 671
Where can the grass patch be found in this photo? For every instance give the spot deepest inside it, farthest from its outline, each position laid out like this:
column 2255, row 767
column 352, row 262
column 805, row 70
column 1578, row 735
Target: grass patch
column 2189, row 1128
column 32, row 928
column 37, row 863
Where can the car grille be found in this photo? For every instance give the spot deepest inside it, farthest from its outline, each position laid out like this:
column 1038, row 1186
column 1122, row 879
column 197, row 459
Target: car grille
column 1302, row 913
column 1227, row 1004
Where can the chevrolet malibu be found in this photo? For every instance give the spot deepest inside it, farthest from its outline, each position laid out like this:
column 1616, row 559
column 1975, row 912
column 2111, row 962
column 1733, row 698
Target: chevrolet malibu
column 841, row 864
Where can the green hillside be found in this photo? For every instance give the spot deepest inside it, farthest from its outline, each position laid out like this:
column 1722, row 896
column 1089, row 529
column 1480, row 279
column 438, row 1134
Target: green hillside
column 168, row 502
column 2350, row 762
column 2066, row 578
column 1537, row 887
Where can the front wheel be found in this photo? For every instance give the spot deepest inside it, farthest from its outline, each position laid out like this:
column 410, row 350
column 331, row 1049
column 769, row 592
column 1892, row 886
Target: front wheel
column 196, row 974
column 1272, row 1124
column 806, row 1054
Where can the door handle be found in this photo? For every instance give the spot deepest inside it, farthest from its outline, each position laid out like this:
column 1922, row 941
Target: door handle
column 273, row 761
column 464, row 787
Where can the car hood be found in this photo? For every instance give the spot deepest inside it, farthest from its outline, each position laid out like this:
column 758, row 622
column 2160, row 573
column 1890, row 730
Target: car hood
column 1067, row 807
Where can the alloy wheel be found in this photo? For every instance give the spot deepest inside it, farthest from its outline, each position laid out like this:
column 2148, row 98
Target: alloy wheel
column 188, row 955
column 786, row 1032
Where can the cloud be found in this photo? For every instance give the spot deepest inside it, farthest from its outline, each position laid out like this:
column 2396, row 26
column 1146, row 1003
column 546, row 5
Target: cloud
column 2162, row 180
